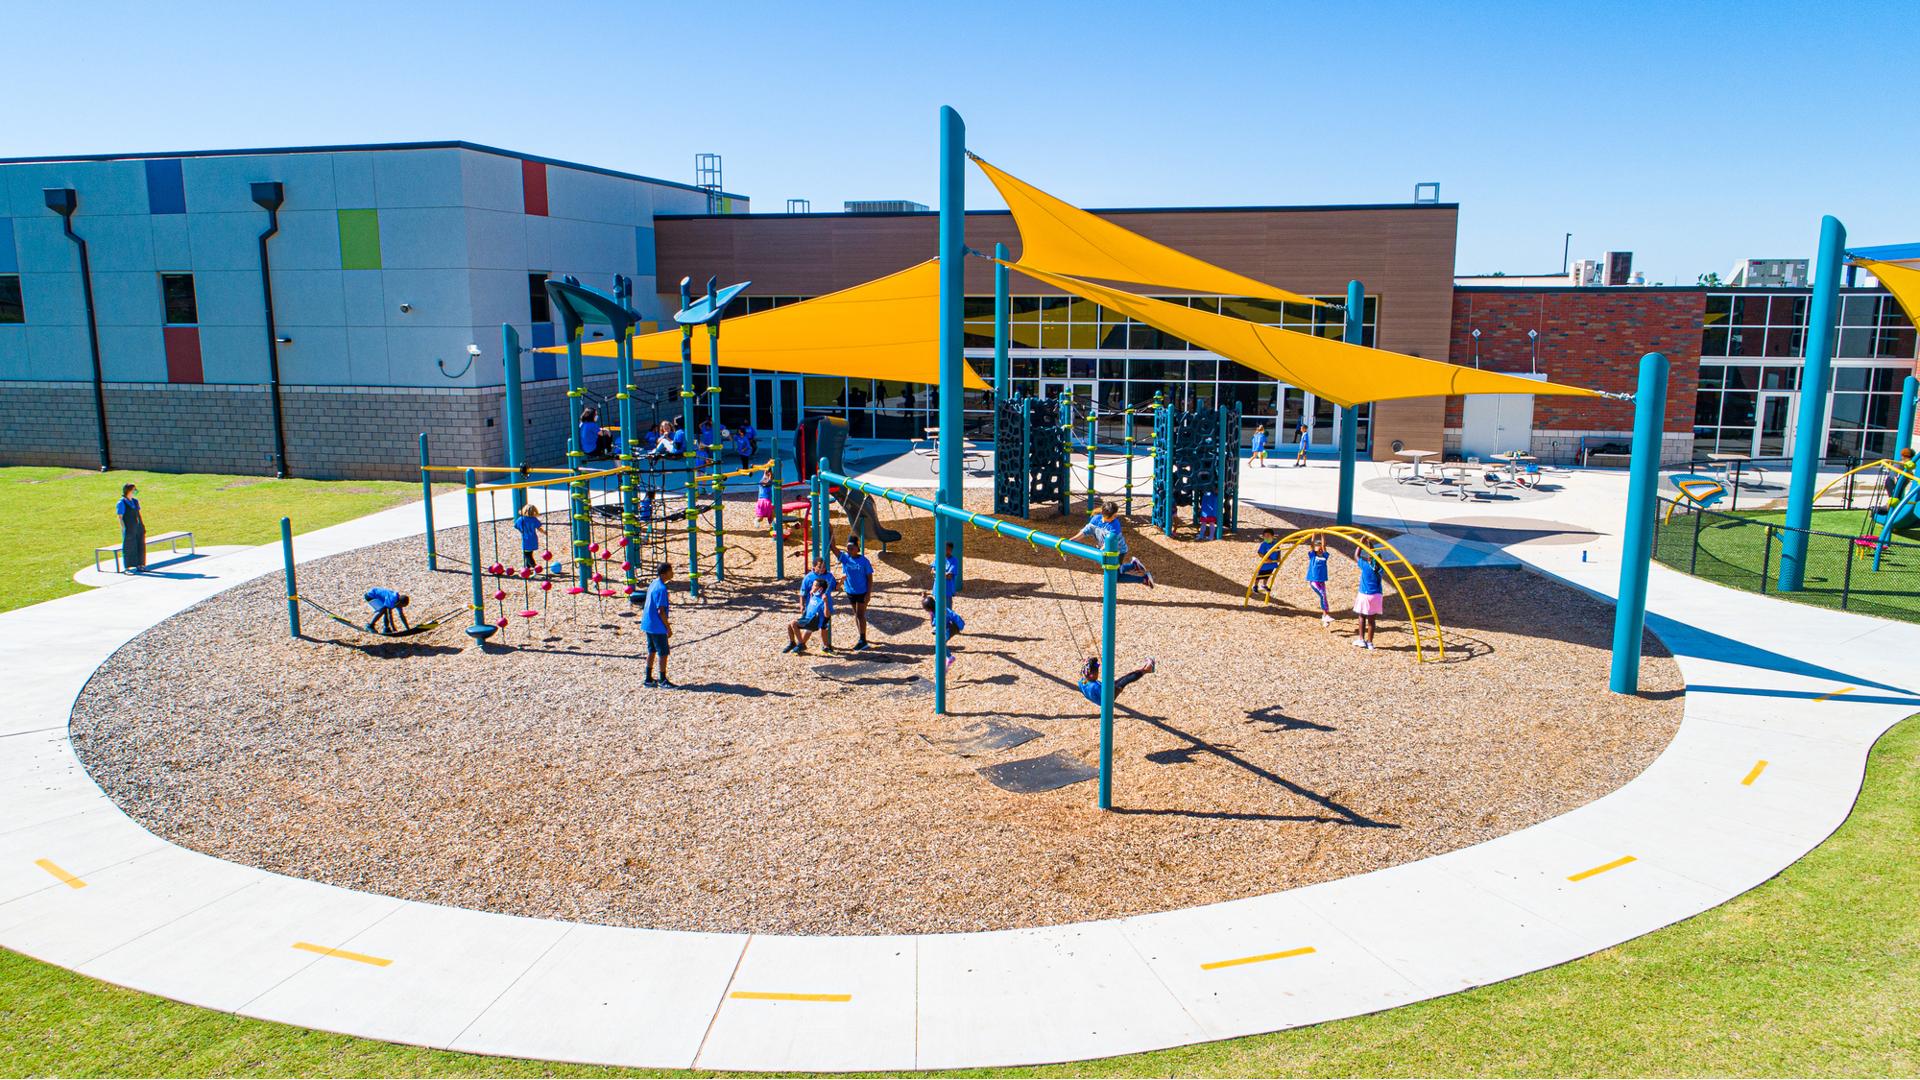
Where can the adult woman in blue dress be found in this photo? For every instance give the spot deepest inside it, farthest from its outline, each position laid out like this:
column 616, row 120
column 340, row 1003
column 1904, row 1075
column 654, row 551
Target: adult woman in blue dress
column 133, row 530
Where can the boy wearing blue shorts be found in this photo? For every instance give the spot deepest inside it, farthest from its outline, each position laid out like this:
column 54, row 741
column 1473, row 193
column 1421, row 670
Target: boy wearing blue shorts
column 858, row 570
column 654, row 622
column 819, row 575
column 1269, row 552
column 955, row 624
column 387, row 603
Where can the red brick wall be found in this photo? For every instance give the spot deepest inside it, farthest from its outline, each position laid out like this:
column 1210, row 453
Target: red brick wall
column 1591, row 337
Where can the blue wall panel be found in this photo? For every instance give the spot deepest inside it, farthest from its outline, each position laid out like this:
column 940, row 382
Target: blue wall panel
column 365, row 295
column 224, row 241
column 416, row 178
column 367, row 356
column 58, row 353
column 353, row 180
column 233, row 354
column 105, row 187
column 497, row 240
column 231, row 298
column 225, row 184
column 438, row 298
column 491, row 182
column 317, row 357
column 9, row 259
column 308, row 298
column 53, row 300
column 119, row 241
column 544, row 335
column 172, row 245
column 13, row 352
column 308, row 240
column 132, row 353
column 166, row 189
column 643, row 251
column 429, row 238
column 125, row 298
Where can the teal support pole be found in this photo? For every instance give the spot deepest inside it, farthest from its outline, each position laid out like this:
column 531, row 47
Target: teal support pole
column 481, row 629
column 578, row 505
column 817, row 549
column 1002, row 367
column 510, row 397
column 1128, row 415
column 426, row 503
column 953, row 228
column 713, row 450
column 1110, row 577
column 1093, row 439
column 1815, row 379
column 1636, row 542
column 629, row 484
column 293, row 587
column 690, row 434
column 1909, row 395
column 962, row 516
column 1350, row 414
column 779, row 497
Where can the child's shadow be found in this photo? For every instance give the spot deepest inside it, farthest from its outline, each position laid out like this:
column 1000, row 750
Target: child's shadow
column 1271, row 714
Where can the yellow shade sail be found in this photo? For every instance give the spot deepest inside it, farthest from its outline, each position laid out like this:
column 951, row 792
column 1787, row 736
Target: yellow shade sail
column 1342, row 373
column 1063, row 239
column 887, row 328
column 1900, row 280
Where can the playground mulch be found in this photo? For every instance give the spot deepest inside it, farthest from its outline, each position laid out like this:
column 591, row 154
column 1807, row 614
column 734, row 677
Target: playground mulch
column 815, row 794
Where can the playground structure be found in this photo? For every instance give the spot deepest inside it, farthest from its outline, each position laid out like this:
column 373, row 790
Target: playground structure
column 1416, row 602
column 1899, row 513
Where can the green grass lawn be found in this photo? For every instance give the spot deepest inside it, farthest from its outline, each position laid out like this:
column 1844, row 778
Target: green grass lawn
column 1814, row 973
column 52, row 519
column 1732, row 553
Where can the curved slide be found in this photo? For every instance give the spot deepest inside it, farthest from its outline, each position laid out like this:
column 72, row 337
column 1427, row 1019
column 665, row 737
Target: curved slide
column 826, row 437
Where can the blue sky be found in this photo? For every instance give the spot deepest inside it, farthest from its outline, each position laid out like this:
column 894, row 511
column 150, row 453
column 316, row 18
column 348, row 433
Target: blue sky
column 1690, row 134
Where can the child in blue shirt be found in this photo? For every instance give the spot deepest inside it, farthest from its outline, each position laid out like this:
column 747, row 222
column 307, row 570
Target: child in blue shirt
column 1090, row 678
column 1300, row 458
column 950, row 572
column 527, row 522
column 763, row 506
column 955, row 624
column 858, row 570
column 1209, row 516
column 654, row 622
column 1258, row 460
column 1317, row 574
column 814, row 615
column 1369, row 600
column 823, row 578
column 1269, row 551
column 743, row 447
column 1105, row 520
column 387, row 603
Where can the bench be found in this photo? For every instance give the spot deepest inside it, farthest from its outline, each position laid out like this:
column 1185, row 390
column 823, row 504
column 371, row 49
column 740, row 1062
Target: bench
column 171, row 539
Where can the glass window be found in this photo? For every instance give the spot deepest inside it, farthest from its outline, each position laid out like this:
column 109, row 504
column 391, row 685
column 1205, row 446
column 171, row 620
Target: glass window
column 537, row 304
column 1083, row 337
column 1883, row 411
column 12, row 309
column 1206, row 369
column 1209, row 304
column 1713, row 341
column 1113, row 335
column 1293, row 314
column 1786, row 341
column 1712, row 376
column 1053, row 309
column 1719, row 311
column 1054, row 335
column 1787, row 311
column 977, row 307
column 1113, row 368
column 1080, row 367
column 1747, row 341
column 1254, row 399
column 1156, row 371
column 1082, row 311
column 1741, row 377
column 1024, row 367
column 1053, row 367
column 1855, row 341
column 1750, row 310
column 976, row 335
column 1851, row 378
column 1023, row 308
column 1773, row 377
column 176, row 297
column 1706, row 409
column 1737, row 410
column 1860, row 310
column 1252, row 310
column 825, row 394
column 1895, row 341
column 1849, row 410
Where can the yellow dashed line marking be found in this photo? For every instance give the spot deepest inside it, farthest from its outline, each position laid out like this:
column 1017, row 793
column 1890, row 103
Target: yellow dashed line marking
column 1262, row 958
column 1601, row 869
column 66, row 879
column 1758, row 768
column 763, row 995
column 358, row 958
column 1837, row 693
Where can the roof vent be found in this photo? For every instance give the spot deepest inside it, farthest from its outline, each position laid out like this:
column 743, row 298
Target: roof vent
column 1427, row 192
column 883, row 206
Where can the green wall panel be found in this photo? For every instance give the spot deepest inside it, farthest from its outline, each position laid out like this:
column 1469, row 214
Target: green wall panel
column 360, row 239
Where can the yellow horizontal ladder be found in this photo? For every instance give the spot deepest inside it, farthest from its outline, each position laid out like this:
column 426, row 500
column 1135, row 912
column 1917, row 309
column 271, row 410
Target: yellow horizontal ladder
column 1422, row 614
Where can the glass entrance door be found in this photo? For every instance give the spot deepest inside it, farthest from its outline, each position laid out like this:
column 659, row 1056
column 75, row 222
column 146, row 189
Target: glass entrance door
column 1077, row 391
column 764, row 389
column 1773, row 435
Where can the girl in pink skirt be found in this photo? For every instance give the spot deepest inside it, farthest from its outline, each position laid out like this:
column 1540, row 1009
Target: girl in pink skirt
column 763, row 510
column 1370, row 600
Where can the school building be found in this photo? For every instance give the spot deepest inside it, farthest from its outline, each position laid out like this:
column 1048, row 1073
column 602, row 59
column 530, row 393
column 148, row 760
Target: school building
column 314, row 309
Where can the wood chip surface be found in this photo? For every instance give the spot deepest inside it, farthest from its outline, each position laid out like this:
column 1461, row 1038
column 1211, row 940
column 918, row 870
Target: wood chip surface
column 783, row 794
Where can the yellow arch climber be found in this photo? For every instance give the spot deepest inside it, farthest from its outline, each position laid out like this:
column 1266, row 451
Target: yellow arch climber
column 1883, row 464
column 1423, row 619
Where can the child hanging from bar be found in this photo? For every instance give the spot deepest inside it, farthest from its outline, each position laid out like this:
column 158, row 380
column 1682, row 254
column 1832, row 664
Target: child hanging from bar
column 527, row 523
column 955, row 624
column 1090, row 678
column 1369, row 600
column 1317, row 575
column 1103, row 521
